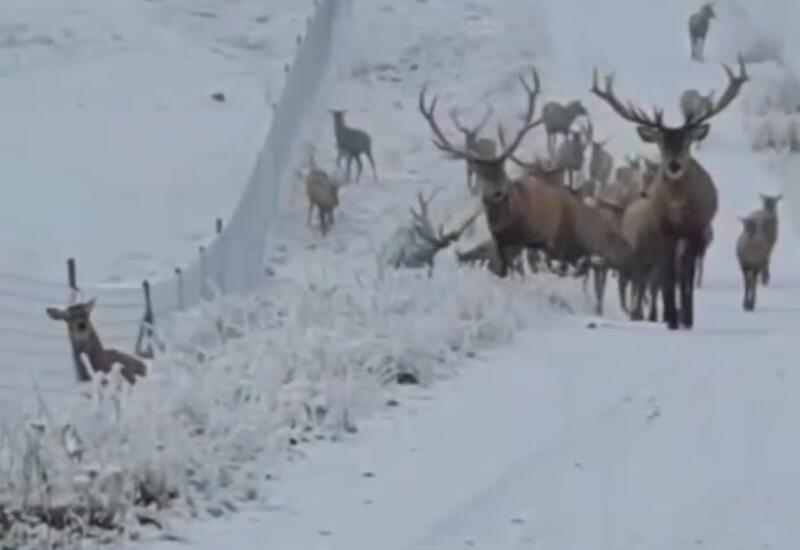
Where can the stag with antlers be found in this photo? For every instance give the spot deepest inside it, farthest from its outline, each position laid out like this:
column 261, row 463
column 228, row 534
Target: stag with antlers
column 683, row 193
column 505, row 202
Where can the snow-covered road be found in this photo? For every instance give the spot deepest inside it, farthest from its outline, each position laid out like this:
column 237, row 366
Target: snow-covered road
column 619, row 437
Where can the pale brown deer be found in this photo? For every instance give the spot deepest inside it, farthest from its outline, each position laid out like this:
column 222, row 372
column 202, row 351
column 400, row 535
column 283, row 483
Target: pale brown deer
column 85, row 341
column 683, row 193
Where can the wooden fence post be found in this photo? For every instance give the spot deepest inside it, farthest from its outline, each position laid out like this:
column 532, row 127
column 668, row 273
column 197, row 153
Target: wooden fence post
column 144, row 341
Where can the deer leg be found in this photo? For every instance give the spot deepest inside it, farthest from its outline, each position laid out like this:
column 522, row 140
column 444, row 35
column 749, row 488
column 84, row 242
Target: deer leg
column 310, row 213
column 600, row 277
column 372, row 164
column 359, row 166
column 686, row 281
column 323, row 222
column 668, row 285
column 349, row 166
column 654, row 284
column 765, row 275
column 699, row 278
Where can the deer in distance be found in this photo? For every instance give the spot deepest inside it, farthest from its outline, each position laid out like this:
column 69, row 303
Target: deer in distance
column 351, row 143
column 698, row 23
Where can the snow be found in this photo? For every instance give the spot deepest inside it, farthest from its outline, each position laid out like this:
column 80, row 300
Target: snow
column 530, row 429
column 133, row 80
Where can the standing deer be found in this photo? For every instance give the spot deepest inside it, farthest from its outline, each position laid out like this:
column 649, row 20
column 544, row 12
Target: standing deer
column 601, row 163
column 699, row 23
column 767, row 218
column 482, row 146
column 694, row 104
column 85, row 340
column 753, row 251
column 683, row 193
column 322, row 193
column 558, row 119
column 571, row 154
column 351, row 143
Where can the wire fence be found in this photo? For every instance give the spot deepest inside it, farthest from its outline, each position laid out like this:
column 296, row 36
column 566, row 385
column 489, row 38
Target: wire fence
column 35, row 351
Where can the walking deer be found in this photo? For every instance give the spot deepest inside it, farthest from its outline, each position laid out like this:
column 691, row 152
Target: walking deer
column 86, row 341
column 699, row 22
column 322, row 194
column 482, row 146
column 351, row 143
column 767, row 218
column 753, row 251
column 683, row 193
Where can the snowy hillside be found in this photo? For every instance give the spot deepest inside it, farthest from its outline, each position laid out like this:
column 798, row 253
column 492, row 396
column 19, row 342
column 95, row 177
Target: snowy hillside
column 525, row 429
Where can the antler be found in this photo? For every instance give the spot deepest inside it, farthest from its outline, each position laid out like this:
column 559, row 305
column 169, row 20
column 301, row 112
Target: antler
column 735, row 83
column 631, row 113
column 471, row 133
column 424, row 227
column 444, row 144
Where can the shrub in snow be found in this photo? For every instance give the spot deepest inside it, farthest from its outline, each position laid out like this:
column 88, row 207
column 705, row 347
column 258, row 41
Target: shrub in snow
column 244, row 384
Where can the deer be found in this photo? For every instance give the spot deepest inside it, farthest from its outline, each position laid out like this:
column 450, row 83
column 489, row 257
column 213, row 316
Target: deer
column 84, row 340
column 684, row 196
column 351, row 143
column 601, row 163
column 698, row 23
column 571, row 154
column 527, row 212
column 693, row 103
column 558, row 119
column 426, row 240
column 322, row 193
column 479, row 145
column 767, row 217
column 753, row 250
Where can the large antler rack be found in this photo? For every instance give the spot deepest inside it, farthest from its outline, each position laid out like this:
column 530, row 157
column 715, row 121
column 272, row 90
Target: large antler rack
column 444, row 144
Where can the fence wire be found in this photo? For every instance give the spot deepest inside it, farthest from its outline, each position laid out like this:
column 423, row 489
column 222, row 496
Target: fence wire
column 34, row 349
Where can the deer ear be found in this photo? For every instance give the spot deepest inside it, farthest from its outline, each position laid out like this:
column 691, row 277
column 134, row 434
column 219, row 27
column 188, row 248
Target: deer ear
column 648, row 134
column 699, row 133
column 55, row 313
column 90, row 305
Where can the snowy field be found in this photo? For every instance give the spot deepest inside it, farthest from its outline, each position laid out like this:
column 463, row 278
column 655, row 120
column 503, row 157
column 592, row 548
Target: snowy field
column 528, row 429
column 109, row 124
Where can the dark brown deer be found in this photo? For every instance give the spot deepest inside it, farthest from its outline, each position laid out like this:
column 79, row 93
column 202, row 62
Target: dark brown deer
column 683, row 193
column 84, row 340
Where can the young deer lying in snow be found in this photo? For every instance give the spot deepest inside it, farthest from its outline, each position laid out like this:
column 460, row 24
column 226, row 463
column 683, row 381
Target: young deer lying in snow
column 84, row 340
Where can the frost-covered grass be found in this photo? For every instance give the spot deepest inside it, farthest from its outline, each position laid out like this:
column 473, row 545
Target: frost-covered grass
column 246, row 384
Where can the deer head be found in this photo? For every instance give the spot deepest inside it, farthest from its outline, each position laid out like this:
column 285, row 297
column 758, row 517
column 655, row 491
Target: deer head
column 770, row 202
column 77, row 317
column 674, row 143
column 490, row 169
column 576, row 109
column 750, row 225
column 708, row 10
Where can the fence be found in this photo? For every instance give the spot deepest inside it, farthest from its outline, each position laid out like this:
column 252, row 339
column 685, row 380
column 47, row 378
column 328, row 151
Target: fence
column 35, row 348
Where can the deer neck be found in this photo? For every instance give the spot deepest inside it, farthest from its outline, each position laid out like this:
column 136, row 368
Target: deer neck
column 93, row 348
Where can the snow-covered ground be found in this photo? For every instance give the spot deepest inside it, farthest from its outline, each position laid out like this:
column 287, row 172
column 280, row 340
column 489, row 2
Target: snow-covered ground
column 109, row 124
column 619, row 437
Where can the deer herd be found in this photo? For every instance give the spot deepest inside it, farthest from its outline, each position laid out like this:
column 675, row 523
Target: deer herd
column 647, row 221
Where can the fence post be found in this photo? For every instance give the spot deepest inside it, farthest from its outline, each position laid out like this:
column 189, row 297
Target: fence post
column 72, row 279
column 203, row 271
column 179, row 285
column 144, row 341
